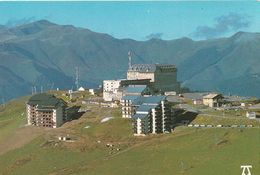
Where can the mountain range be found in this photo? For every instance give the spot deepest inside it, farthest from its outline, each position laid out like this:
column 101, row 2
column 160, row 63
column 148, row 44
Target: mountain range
column 44, row 54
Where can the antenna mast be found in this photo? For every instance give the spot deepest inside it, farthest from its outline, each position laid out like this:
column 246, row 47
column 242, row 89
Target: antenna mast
column 129, row 60
column 34, row 90
column 77, row 78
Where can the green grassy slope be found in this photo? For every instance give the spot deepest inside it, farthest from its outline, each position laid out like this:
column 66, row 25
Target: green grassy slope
column 12, row 116
column 209, row 151
column 186, row 151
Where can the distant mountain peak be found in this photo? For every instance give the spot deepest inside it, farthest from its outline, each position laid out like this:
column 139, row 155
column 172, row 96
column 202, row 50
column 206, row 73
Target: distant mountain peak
column 245, row 36
column 44, row 22
column 40, row 24
column 32, row 28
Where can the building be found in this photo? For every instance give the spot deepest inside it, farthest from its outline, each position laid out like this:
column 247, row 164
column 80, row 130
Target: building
column 213, row 100
column 111, row 90
column 251, row 115
column 135, row 90
column 163, row 78
column 154, row 115
column 45, row 110
column 91, row 91
column 125, row 83
column 130, row 94
column 197, row 102
column 128, row 108
column 81, row 89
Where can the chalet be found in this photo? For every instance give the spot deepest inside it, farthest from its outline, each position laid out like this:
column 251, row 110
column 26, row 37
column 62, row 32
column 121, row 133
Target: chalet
column 213, row 100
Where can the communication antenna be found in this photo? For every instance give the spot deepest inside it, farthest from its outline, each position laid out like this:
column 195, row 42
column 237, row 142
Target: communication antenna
column 77, row 78
column 52, row 85
column 34, row 90
column 129, row 59
column 3, row 101
column 41, row 89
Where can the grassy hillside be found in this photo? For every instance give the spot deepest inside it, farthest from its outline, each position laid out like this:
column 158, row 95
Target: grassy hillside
column 188, row 151
column 194, row 152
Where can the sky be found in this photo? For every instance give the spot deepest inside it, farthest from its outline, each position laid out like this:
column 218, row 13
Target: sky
column 142, row 20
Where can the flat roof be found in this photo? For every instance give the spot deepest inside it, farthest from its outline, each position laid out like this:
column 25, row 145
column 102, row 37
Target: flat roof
column 149, row 100
column 146, row 108
column 150, row 68
column 135, row 89
column 143, row 67
column 130, row 97
column 141, row 116
column 153, row 99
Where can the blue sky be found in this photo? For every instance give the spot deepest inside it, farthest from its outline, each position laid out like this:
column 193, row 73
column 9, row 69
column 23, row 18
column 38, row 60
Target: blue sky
column 142, row 20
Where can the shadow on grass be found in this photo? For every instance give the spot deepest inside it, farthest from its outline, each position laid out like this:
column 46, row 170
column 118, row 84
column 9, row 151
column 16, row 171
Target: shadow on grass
column 73, row 113
column 183, row 117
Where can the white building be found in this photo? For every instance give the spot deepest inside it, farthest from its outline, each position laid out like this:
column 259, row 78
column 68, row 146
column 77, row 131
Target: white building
column 81, row 89
column 111, row 90
column 251, row 115
column 91, row 91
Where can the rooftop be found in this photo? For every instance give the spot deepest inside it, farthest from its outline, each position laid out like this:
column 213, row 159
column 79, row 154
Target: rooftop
column 45, row 101
column 195, row 95
column 146, row 108
column 135, row 89
column 153, row 99
column 130, row 97
column 143, row 67
column 141, row 116
column 148, row 100
column 212, row 95
column 149, row 67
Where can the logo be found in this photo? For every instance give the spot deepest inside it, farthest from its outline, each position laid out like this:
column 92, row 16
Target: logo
column 246, row 169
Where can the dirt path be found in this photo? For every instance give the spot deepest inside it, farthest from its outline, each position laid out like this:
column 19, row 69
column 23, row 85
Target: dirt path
column 21, row 137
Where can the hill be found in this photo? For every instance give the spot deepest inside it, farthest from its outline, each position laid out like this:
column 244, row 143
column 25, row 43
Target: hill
column 191, row 151
column 46, row 54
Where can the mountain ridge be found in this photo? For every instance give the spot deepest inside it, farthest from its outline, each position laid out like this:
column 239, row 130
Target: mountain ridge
column 42, row 47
